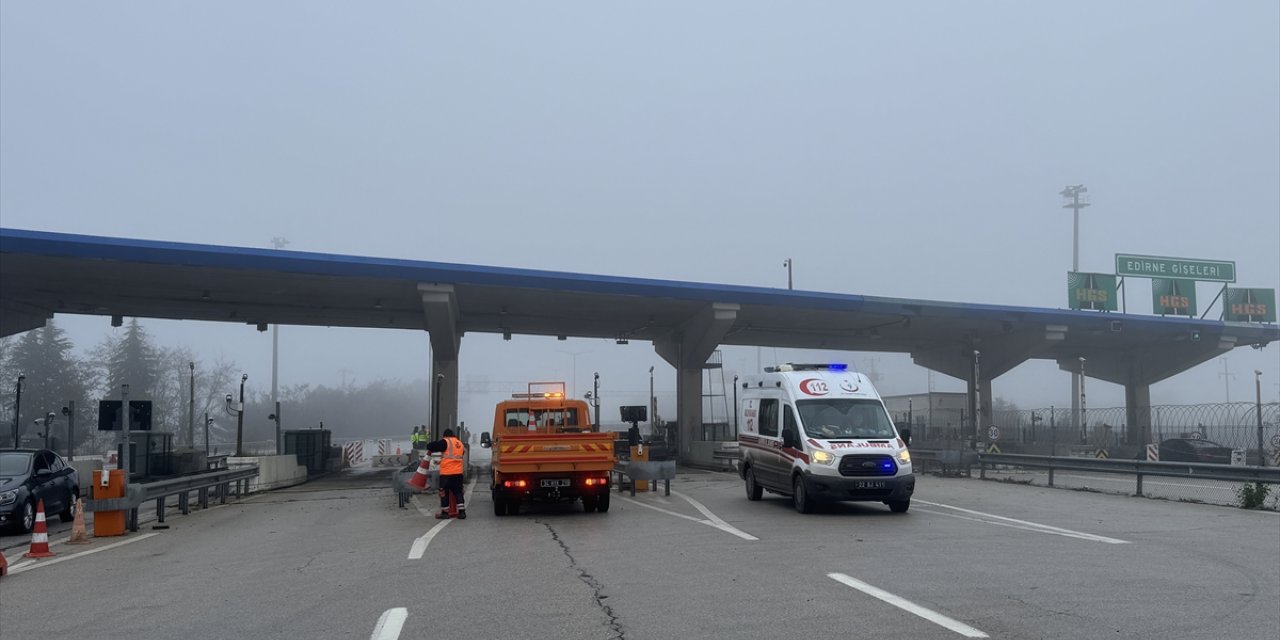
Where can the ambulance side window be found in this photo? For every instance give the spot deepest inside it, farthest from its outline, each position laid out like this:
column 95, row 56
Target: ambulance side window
column 789, row 421
column 769, row 418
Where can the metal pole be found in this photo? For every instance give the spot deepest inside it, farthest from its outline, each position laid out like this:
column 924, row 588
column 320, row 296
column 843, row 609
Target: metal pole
column 17, row 409
column 1084, row 425
column 653, row 402
column 71, row 429
column 595, row 397
column 48, row 423
column 1053, row 433
column 206, row 433
column 1257, row 409
column 127, row 452
column 240, row 419
column 787, row 264
column 973, row 401
column 275, row 366
column 191, row 408
column 277, row 416
column 735, row 407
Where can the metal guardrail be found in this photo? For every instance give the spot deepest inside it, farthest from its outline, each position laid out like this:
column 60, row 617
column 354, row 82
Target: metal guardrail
column 1138, row 468
column 137, row 494
column 654, row 470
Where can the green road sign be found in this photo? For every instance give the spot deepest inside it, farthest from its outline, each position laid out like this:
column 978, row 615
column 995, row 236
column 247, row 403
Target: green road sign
column 1096, row 291
column 1180, row 268
column 1171, row 297
column 1250, row 305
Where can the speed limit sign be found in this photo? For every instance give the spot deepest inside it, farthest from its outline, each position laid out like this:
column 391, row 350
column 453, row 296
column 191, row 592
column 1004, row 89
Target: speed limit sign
column 993, row 432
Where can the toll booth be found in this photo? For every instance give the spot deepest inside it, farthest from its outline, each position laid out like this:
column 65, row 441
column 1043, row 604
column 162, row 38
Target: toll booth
column 150, row 454
column 311, row 446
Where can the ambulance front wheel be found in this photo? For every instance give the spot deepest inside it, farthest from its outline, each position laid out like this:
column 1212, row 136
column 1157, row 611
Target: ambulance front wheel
column 754, row 490
column 800, row 495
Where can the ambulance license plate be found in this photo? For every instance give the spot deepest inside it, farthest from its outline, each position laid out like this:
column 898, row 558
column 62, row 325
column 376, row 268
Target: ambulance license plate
column 870, row 484
column 558, row 482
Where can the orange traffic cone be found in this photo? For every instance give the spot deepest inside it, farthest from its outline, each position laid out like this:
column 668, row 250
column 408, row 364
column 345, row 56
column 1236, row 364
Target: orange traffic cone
column 419, row 479
column 78, row 534
column 39, row 536
column 4, row 564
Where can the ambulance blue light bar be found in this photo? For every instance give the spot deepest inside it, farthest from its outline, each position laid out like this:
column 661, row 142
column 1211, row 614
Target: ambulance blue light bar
column 837, row 367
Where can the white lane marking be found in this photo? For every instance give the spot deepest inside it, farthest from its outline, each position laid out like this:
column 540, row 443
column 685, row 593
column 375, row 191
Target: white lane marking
column 909, row 606
column 723, row 527
column 44, row 563
column 719, row 523
column 390, row 623
column 419, row 546
column 1030, row 526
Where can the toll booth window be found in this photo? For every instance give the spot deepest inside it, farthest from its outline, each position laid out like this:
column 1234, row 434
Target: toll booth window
column 769, row 418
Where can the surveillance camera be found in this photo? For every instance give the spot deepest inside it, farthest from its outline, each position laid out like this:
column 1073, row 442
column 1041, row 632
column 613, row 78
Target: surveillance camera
column 228, row 398
column 66, row 411
column 244, row 377
column 271, row 417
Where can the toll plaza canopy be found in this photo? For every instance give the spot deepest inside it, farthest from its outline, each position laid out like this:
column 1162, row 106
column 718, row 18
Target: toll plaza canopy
column 43, row 273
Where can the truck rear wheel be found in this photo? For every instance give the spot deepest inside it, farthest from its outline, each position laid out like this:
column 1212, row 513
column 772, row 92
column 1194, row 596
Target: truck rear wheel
column 602, row 503
column 589, row 503
column 499, row 504
column 513, row 507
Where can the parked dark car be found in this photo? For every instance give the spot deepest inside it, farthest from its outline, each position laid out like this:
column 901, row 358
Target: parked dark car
column 1190, row 450
column 29, row 475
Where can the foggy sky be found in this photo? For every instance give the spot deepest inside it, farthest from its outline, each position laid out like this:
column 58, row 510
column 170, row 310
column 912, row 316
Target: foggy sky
column 899, row 150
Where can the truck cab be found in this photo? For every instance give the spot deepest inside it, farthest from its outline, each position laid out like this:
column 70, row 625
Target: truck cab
column 821, row 433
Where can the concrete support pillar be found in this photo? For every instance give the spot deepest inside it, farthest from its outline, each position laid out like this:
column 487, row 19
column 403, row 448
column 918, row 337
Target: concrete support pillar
column 448, row 411
column 687, row 349
column 440, row 307
column 1137, row 407
column 985, row 417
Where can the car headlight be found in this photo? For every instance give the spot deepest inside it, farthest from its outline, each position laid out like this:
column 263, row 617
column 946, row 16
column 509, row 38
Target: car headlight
column 904, row 457
column 822, row 457
column 8, row 496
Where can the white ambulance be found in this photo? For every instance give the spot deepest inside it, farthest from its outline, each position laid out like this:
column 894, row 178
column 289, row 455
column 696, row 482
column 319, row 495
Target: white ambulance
column 821, row 432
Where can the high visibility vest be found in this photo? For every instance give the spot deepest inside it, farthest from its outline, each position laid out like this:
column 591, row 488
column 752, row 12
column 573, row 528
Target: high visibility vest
column 451, row 460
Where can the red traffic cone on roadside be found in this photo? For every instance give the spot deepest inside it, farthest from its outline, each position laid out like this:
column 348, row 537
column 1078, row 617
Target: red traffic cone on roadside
column 78, row 533
column 419, row 479
column 39, row 536
column 4, row 565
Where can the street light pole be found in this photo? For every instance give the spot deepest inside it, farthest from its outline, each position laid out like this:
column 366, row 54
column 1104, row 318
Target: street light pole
column 70, row 412
column 1257, row 410
column 595, row 395
column 1072, row 200
column 240, row 419
column 191, row 408
column 17, row 408
column 787, row 263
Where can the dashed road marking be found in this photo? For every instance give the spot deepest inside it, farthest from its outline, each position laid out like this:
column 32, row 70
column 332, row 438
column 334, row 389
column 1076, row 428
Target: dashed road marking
column 1014, row 523
column 390, row 623
column 909, row 606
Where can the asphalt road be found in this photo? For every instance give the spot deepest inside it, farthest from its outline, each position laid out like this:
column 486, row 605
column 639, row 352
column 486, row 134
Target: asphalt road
column 335, row 558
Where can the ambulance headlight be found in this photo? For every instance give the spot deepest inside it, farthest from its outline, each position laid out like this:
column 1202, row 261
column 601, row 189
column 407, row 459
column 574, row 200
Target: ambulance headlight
column 9, row 496
column 822, row 457
column 904, row 457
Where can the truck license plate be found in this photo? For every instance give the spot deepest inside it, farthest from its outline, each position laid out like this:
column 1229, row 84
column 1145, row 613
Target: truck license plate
column 559, row 482
column 870, row 484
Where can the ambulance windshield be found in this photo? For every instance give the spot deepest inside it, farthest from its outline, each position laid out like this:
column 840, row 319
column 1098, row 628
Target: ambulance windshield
column 836, row 418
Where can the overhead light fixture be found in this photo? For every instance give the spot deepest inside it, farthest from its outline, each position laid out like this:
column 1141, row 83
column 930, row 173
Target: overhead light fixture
column 116, row 320
column 562, row 338
column 262, row 326
column 377, row 304
column 622, row 340
column 506, row 334
column 875, row 333
column 205, row 295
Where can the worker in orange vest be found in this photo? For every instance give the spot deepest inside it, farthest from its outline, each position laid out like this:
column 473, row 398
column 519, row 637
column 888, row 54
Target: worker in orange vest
column 451, row 450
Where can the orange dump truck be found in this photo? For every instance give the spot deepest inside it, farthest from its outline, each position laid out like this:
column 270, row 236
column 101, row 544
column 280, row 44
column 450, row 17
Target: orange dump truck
column 545, row 450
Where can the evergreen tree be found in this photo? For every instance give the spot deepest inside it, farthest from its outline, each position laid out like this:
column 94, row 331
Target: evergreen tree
column 131, row 359
column 53, row 377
